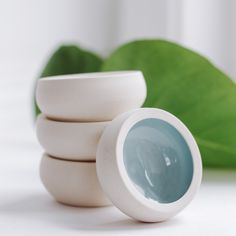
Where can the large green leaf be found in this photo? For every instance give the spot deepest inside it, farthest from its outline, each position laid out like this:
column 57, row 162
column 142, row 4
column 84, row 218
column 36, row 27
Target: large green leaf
column 70, row 59
column 189, row 86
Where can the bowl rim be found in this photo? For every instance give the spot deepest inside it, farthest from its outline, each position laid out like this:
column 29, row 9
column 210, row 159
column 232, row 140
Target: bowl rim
column 93, row 75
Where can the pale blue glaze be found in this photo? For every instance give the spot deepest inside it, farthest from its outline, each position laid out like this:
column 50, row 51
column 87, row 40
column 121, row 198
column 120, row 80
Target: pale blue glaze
column 158, row 160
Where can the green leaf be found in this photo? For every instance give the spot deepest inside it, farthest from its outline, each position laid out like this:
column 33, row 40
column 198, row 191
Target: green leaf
column 70, row 59
column 189, row 86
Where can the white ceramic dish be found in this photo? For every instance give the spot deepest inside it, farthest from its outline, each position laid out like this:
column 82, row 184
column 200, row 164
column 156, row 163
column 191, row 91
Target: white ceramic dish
column 90, row 96
column 69, row 140
column 153, row 164
column 72, row 183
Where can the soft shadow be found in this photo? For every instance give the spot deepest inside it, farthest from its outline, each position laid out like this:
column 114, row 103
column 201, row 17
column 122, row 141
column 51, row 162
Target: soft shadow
column 41, row 208
column 219, row 176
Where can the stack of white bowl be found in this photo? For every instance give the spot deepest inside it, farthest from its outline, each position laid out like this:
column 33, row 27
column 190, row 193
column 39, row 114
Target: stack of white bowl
column 75, row 111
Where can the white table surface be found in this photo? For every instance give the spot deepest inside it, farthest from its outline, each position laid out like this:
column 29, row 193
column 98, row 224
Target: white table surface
column 27, row 209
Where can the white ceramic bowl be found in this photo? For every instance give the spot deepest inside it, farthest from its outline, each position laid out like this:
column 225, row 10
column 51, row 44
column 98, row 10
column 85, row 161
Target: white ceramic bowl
column 153, row 163
column 90, row 96
column 72, row 183
column 69, row 140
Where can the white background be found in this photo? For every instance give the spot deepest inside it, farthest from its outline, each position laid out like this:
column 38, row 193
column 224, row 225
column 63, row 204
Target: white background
column 29, row 31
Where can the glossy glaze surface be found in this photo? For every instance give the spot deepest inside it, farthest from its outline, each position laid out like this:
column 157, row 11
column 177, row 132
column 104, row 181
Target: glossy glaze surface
column 158, row 160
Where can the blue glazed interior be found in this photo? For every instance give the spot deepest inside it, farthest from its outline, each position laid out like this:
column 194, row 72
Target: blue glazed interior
column 158, row 160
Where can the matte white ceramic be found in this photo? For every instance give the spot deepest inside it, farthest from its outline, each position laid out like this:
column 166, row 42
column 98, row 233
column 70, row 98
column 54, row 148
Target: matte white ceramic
column 69, row 140
column 91, row 96
column 117, row 177
column 72, row 183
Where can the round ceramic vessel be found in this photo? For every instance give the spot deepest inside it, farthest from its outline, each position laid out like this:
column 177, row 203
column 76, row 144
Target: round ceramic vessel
column 69, row 140
column 90, row 96
column 153, row 163
column 72, row 183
